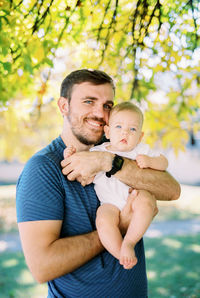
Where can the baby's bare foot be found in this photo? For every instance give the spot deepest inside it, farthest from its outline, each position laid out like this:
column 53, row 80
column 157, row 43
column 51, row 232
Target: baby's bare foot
column 127, row 255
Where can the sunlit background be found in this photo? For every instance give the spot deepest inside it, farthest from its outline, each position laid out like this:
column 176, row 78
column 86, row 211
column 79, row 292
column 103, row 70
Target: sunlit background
column 152, row 51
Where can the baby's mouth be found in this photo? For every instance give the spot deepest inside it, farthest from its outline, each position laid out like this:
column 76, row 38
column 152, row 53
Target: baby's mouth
column 124, row 141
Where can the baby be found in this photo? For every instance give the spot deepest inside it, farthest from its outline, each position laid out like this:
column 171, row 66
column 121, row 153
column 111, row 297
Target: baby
column 125, row 133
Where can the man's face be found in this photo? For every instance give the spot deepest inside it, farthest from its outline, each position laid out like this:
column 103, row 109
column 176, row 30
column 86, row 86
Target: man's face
column 89, row 110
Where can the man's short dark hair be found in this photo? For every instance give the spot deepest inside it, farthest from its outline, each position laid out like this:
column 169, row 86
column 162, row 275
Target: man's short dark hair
column 96, row 77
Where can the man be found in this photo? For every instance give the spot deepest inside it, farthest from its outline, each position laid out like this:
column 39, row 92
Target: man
column 56, row 215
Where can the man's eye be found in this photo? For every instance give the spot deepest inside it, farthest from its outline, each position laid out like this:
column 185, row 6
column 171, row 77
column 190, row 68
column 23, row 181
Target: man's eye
column 132, row 129
column 107, row 107
column 118, row 126
column 88, row 101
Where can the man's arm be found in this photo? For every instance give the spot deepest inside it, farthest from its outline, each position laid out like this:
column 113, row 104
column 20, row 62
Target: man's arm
column 39, row 204
column 160, row 183
column 49, row 256
column 84, row 165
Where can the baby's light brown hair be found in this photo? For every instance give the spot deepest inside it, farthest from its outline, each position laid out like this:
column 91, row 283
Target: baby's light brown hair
column 127, row 106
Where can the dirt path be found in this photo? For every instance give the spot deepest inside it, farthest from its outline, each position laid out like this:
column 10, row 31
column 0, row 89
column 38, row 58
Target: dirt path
column 174, row 227
column 10, row 242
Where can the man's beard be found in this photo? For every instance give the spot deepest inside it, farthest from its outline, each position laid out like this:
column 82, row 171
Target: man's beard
column 83, row 139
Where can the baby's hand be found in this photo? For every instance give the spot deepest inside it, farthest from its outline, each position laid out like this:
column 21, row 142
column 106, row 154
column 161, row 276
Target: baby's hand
column 143, row 161
column 69, row 151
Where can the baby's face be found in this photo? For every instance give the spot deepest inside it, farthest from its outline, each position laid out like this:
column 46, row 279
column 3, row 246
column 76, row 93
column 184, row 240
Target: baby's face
column 125, row 130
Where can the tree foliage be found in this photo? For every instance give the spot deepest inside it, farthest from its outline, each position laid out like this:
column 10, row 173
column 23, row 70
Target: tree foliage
column 150, row 47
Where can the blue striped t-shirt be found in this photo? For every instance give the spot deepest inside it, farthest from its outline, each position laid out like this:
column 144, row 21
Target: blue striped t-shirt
column 43, row 193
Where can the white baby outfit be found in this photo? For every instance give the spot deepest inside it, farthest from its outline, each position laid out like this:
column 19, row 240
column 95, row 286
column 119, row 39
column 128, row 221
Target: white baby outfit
column 111, row 190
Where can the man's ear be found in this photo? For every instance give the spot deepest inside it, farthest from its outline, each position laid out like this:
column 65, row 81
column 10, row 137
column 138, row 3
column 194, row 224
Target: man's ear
column 63, row 104
column 141, row 136
column 107, row 131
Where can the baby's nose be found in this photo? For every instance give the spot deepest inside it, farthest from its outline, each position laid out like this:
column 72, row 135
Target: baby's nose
column 125, row 131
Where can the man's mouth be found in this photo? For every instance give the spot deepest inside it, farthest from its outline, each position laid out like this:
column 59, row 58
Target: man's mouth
column 95, row 123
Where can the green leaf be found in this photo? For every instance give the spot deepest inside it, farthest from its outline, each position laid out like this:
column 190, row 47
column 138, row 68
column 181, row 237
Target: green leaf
column 49, row 62
column 7, row 66
column 27, row 64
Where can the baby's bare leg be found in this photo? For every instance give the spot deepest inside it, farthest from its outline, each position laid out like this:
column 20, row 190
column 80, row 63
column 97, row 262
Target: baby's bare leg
column 143, row 212
column 107, row 223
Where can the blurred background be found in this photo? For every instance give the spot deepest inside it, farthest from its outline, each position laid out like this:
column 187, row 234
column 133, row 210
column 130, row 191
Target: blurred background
column 151, row 48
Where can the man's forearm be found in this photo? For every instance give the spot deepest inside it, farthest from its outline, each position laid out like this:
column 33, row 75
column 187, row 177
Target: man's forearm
column 49, row 256
column 161, row 184
column 68, row 254
column 83, row 165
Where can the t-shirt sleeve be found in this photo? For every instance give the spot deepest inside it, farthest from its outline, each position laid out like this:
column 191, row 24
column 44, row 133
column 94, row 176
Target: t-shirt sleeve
column 40, row 193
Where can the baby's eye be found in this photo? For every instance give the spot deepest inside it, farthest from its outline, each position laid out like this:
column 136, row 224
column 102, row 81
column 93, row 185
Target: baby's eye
column 118, row 126
column 132, row 129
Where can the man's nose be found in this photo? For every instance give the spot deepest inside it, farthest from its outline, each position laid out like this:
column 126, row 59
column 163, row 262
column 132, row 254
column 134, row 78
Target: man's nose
column 98, row 112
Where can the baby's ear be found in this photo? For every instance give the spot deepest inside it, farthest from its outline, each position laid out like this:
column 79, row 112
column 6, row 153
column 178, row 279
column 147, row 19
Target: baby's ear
column 141, row 136
column 107, row 131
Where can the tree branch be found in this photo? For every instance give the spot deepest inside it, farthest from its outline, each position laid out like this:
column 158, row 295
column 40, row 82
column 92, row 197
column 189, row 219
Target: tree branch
column 111, row 25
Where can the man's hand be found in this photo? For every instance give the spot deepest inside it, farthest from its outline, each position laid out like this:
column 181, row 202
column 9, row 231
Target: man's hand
column 83, row 166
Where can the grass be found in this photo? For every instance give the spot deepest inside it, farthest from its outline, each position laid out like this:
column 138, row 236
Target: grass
column 15, row 279
column 173, row 266
column 172, row 262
